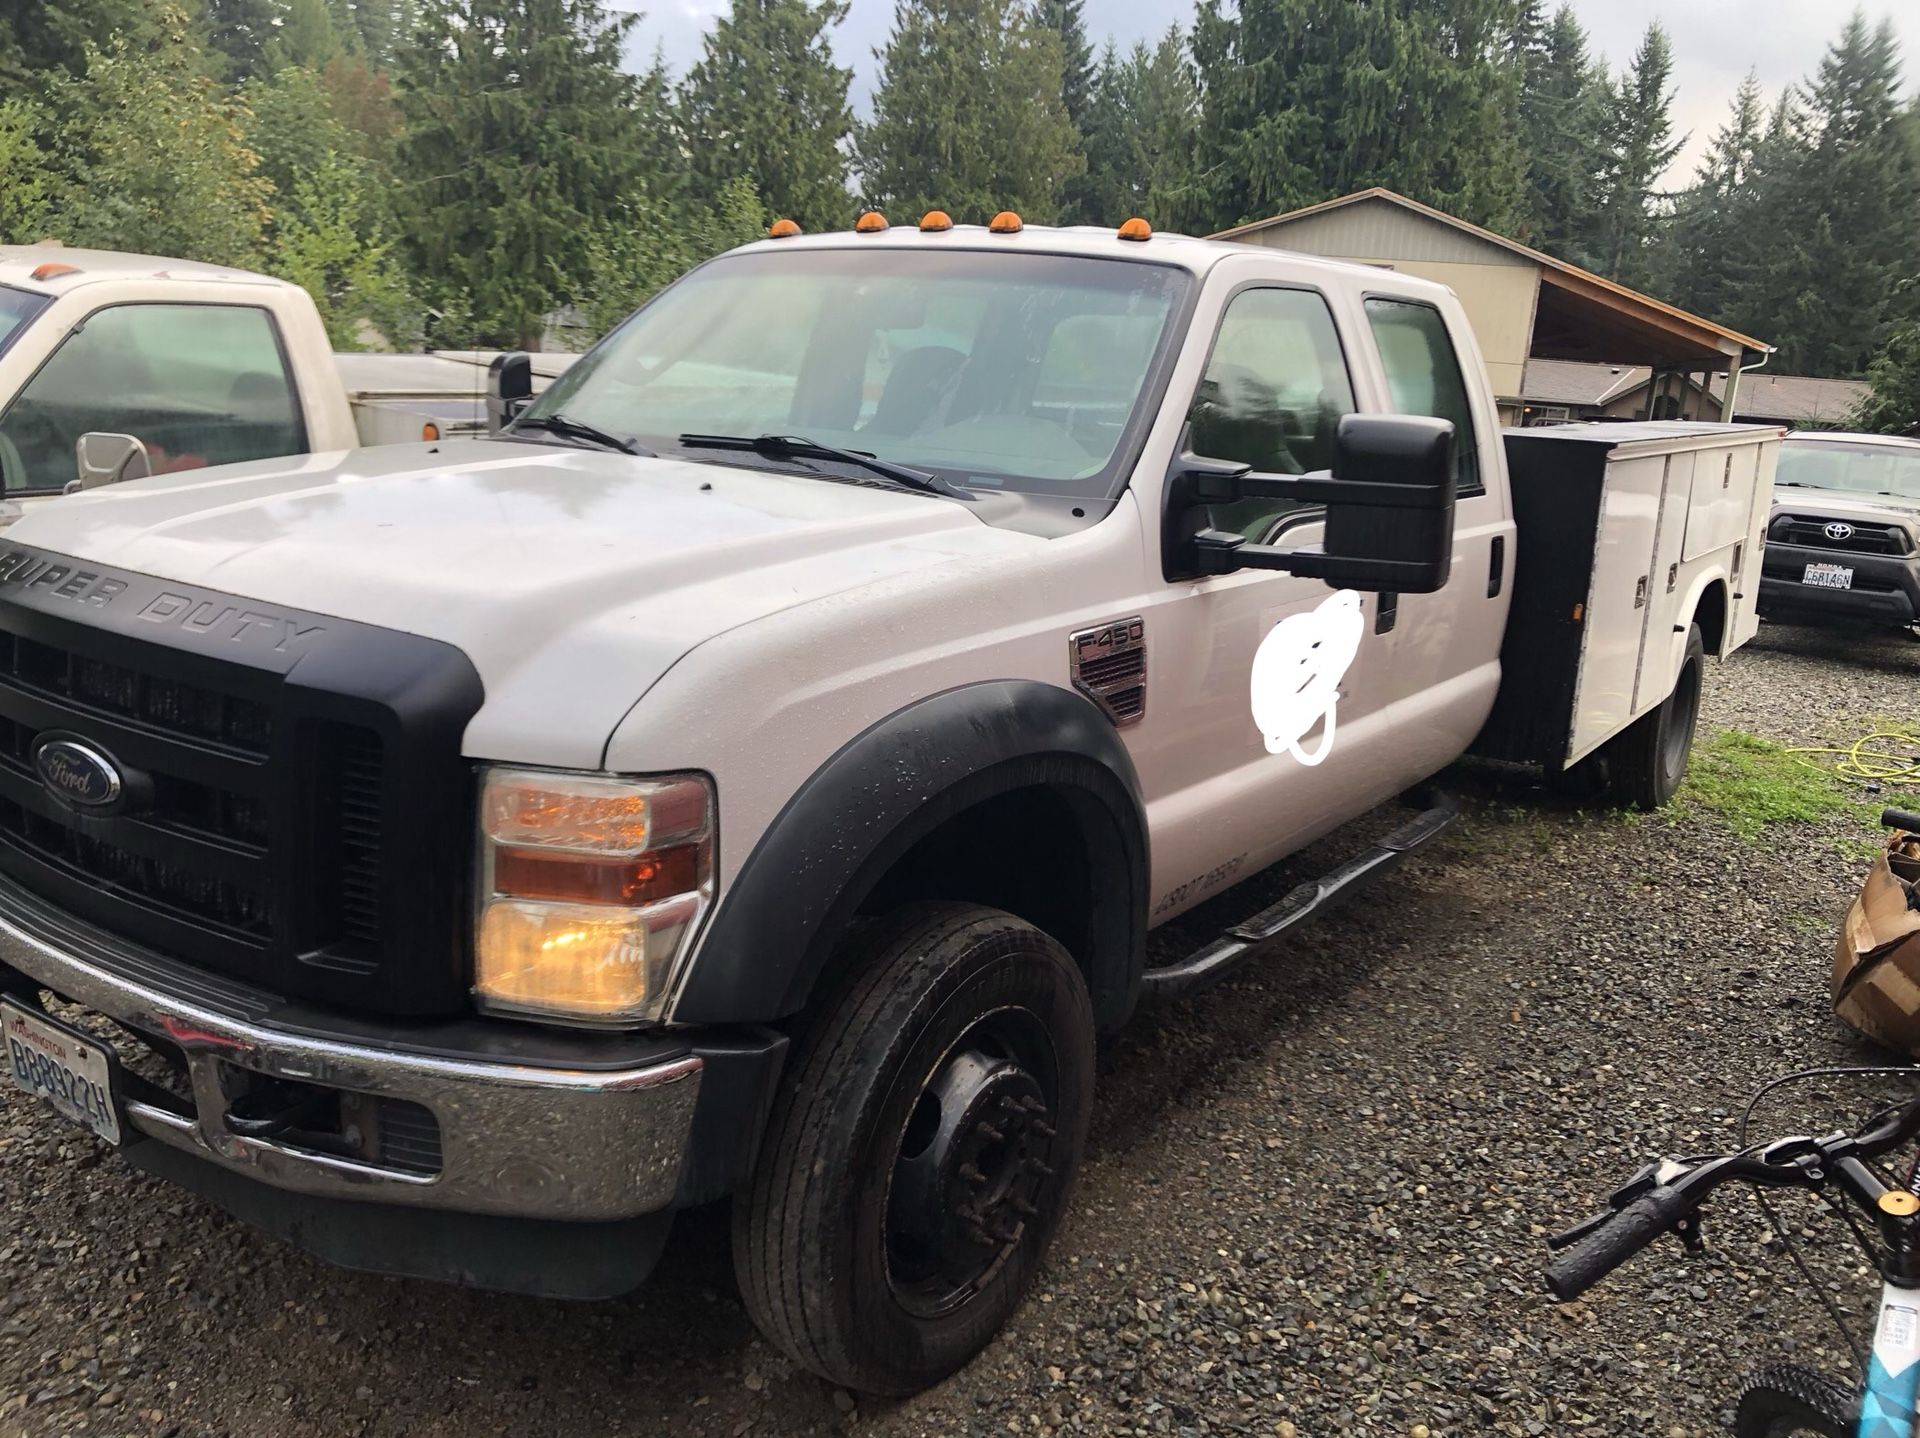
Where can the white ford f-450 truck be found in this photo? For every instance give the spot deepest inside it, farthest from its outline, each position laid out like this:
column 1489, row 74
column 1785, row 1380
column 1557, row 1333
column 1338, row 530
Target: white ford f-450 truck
column 753, row 773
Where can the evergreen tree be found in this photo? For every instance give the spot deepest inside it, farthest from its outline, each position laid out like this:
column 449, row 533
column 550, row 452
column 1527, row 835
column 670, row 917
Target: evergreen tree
column 1065, row 19
column 241, row 30
column 654, row 244
column 41, row 37
column 521, row 141
column 1140, row 125
column 1642, row 145
column 968, row 116
column 1302, row 100
column 767, row 104
column 1564, row 104
column 1714, row 247
column 1845, row 198
column 308, row 36
column 1894, row 406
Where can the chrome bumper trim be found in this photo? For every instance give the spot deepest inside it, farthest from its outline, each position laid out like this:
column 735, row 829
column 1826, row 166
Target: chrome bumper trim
column 516, row 1140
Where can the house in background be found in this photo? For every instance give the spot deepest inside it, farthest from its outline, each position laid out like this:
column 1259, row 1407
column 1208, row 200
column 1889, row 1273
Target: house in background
column 1524, row 305
column 1554, row 391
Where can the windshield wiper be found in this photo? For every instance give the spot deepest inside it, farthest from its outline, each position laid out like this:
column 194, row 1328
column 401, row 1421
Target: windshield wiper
column 569, row 428
column 793, row 446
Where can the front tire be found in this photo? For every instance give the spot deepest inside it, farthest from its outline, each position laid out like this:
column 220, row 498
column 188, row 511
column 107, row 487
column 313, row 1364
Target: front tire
column 922, row 1149
column 1648, row 762
column 1784, row 1400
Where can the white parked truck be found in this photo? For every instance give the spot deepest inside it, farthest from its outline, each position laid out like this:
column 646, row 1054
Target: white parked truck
column 203, row 365
column 754, row 772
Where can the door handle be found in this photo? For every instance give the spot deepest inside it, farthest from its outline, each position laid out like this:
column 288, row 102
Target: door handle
column 1497, row 566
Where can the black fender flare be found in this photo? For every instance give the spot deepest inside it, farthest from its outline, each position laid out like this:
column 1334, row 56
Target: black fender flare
column 775, row 928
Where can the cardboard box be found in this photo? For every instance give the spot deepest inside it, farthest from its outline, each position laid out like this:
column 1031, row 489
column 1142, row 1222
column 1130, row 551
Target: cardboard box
column 1876, row 964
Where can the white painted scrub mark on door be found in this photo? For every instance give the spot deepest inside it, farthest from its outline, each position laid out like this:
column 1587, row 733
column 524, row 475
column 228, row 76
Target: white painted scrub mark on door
column 1297, row 672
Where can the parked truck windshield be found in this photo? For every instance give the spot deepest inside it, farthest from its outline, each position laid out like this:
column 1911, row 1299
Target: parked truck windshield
column 1860, row 468
column 1019, row 371
column 16, row 308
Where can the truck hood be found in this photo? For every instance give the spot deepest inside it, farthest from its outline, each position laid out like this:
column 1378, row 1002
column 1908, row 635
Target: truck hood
column 572, row 579
column 1845, row 504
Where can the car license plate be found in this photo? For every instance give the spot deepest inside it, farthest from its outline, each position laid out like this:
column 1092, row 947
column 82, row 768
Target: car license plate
column 72, row 1073
column 1828, row 576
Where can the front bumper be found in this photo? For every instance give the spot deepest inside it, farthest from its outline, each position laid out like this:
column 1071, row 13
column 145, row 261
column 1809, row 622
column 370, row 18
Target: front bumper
column 1886, row 588
column 531, row 1124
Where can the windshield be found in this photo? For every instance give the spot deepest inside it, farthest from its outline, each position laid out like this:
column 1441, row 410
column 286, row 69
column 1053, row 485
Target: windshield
column 1882, row 469
column 1006, row 370
column 16, row 308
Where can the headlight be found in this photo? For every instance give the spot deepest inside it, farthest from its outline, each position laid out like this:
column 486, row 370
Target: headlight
column 591, row 889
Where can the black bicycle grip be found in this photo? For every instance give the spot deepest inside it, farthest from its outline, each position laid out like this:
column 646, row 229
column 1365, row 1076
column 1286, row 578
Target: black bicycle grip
column 1901, row 819
column 1615, row 1241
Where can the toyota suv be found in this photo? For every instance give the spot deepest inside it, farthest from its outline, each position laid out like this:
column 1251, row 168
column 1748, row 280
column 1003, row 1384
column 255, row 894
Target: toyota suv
column 1841, row 546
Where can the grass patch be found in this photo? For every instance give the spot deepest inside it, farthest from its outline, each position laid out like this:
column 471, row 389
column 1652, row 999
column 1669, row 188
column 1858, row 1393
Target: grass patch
column 1749, row 782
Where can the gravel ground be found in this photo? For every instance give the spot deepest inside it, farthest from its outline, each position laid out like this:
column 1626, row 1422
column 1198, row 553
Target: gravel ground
column 1314, row 1202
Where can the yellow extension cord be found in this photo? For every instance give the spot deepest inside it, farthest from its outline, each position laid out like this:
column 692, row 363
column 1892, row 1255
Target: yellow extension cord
column 1860, row 760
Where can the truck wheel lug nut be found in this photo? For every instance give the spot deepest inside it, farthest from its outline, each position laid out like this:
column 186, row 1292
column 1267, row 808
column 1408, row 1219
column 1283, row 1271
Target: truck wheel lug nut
column 1043, row 1128
column 972, row 1175
column 988, row 1131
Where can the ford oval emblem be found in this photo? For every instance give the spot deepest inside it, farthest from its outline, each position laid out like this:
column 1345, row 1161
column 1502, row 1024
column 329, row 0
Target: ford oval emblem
column 77, row 773
column 1839, row 530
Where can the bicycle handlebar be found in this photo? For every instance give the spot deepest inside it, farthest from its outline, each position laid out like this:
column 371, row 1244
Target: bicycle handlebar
column 1664, row 1199
column 1623, row 1234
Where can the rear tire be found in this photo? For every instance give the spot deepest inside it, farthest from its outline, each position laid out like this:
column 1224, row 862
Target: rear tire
column 921, row 1150
column 1784, row 1400
column 1648, row 762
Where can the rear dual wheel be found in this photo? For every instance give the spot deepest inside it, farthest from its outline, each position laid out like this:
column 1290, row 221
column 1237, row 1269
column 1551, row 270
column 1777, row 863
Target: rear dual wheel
column 922, row 1151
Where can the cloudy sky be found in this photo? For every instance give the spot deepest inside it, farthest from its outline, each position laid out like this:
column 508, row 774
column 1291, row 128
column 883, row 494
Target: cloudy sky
column 1715, row 41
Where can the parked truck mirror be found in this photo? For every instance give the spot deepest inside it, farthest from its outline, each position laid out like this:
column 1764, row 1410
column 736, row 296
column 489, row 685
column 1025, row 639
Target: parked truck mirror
column 103, row 458
column 509, row 387
column 1389, row 502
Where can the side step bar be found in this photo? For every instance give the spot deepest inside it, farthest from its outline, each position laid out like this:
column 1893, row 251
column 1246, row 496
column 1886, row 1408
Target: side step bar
column 1220, row 957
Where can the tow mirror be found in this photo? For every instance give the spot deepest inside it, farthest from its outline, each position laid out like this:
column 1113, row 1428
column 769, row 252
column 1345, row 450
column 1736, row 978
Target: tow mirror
column 1389, row 510
column 509, row 387
column 103, row 458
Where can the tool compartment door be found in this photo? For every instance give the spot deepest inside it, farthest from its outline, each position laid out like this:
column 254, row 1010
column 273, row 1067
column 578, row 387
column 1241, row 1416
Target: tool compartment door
column 1756, row 462
column 1652, row 681
column 1618, row 600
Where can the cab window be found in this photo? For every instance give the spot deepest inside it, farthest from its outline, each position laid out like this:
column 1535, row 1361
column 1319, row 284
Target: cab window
column 1423, row 377
column 1275, row 389
column 197, row 384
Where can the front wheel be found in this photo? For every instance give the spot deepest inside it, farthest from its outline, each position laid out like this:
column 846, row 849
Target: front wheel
column 1648, row 762
column 922, row 1149
column 1784, row 1401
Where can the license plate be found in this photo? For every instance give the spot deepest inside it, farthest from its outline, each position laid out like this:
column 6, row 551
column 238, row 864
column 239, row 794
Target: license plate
column 72, row 1073
column 1828, row 576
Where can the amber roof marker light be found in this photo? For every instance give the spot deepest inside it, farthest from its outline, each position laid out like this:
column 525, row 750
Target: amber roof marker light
column 52, row 270
column 1006, row 223
column 782, row 230
column 1136, row 229
column 871, row 223
column 936, row 221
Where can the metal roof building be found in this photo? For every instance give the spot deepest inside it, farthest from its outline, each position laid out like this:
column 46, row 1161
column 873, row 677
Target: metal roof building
column 1524, row 305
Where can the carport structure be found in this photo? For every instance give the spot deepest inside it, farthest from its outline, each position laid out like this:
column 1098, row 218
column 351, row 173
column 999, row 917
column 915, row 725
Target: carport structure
column 1523, row 304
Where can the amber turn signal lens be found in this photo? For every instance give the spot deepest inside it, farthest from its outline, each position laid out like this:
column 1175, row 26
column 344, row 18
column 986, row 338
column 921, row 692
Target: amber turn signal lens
column 53, row 269
column 935, row 221
column 429, row 430
column 1136, row 229
column 537, row 874
column 782, row 230
column 1006, row 223
column 871, row 223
